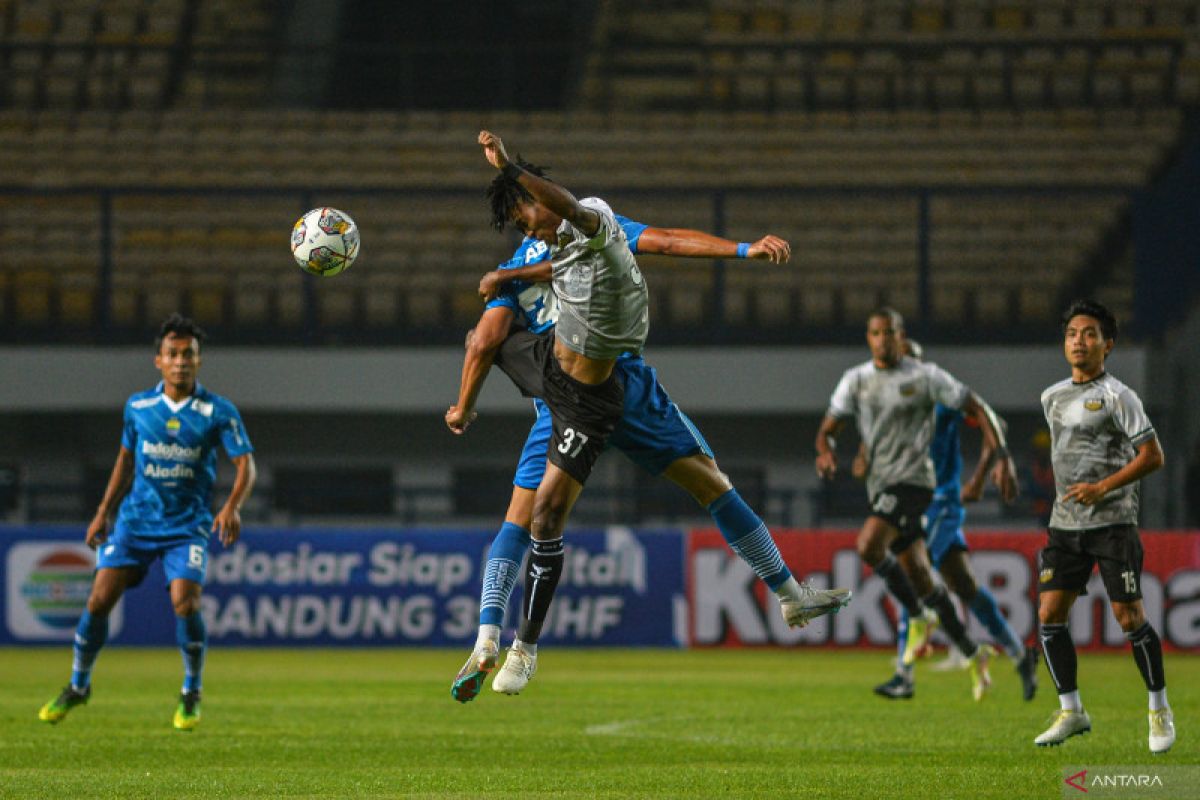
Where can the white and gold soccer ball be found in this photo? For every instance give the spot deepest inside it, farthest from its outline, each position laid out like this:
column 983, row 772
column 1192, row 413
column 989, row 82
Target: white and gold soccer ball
column 325, row 242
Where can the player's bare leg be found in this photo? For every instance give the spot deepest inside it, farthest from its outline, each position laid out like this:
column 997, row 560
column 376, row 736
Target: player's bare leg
column 934, row 595
column 956, row 570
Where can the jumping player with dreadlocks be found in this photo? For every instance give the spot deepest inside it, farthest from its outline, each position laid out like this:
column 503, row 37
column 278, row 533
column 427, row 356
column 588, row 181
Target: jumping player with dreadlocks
column 653, row 431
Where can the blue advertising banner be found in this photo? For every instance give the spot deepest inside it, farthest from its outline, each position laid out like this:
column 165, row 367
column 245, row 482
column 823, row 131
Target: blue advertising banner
column 352, row 587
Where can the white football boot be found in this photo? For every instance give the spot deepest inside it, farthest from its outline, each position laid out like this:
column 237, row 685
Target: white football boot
column 977, row 666
column 470, row 678
column 1162, row 730
column 1063, row 726
column 813, row 603
column 519, row 667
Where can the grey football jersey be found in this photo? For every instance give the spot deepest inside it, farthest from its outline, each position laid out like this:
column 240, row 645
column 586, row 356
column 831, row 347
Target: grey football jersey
column 894, row 410
column 602, row 296
column 1095, row 428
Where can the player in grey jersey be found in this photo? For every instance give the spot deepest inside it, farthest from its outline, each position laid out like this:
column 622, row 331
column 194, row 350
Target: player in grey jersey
column 1102, row 444
column 602, row 314
column 893, row 398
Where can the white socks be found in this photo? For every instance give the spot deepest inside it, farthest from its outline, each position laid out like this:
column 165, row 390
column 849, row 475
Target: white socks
column 788, row 590
column 1070, row 701
column 488, row 633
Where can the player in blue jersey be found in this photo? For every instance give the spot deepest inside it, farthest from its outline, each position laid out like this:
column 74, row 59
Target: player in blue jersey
column 653, row 433
column 163, row 481
column 948, row 552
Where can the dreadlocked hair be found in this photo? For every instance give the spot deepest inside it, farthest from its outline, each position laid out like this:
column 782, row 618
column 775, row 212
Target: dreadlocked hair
column 504, row 194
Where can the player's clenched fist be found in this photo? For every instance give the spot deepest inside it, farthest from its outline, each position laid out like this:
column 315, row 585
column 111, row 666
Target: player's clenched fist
column 826, row 465
column 493, row 149
column 97, row 531
column 458, row 419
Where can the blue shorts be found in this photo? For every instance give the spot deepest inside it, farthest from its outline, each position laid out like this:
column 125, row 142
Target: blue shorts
column 184, row 556
column 653, row 431
column 944, row 528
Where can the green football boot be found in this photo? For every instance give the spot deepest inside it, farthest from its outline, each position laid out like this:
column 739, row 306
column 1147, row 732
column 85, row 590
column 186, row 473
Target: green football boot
column 54, row 711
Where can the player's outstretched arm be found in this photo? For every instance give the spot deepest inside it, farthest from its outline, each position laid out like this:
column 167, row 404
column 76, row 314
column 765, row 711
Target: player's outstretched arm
column 678, row 242
column 689, row 243
column 548, row 193
column 826, row 445
column 228, row 522
column 1149, row 457
column 118, row 486
column 995, row 447
column 482, row 343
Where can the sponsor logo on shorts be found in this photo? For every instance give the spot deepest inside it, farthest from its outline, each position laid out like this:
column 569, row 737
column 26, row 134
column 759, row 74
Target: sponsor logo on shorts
column 1046, row 575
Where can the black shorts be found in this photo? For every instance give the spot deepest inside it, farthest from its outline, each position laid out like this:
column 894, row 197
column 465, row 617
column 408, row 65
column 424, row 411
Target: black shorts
column 1066, row 562
column 583, row 415
column 902, row 507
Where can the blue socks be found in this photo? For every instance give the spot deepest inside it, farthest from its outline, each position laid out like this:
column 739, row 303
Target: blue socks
column 92, row 632
column 90, row 635
column 984, row 607
column 501, row 573
column 748, row 536
column 192, row 636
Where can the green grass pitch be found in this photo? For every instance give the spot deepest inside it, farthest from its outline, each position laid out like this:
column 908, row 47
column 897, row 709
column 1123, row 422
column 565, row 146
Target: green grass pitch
column 593, row 723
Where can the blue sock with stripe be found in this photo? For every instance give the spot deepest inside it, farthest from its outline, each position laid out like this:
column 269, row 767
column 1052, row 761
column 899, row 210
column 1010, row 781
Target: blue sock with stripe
column 192, row 636
column 748, row 536
column 90, row 636
column 501, row 572
column 985, row 609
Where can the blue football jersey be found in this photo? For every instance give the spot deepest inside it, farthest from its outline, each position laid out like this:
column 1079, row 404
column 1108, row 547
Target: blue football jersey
column 945, row 452
column 175, row 461
column 536, row 302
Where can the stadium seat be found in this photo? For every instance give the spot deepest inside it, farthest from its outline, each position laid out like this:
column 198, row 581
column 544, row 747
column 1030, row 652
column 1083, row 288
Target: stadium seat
column 769, row 100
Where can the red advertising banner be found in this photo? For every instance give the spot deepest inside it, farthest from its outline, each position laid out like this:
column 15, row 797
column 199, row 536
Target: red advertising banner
column 730, row 607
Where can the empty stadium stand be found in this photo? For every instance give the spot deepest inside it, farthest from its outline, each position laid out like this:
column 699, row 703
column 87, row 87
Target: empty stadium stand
column 963, row 160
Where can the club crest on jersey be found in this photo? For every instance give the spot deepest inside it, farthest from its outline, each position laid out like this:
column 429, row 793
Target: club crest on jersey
column 173, row 426
column 1093, row 405
column 907, row 389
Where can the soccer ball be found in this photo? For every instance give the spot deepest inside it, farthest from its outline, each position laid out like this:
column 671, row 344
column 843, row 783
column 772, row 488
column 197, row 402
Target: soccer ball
column 325, row 242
